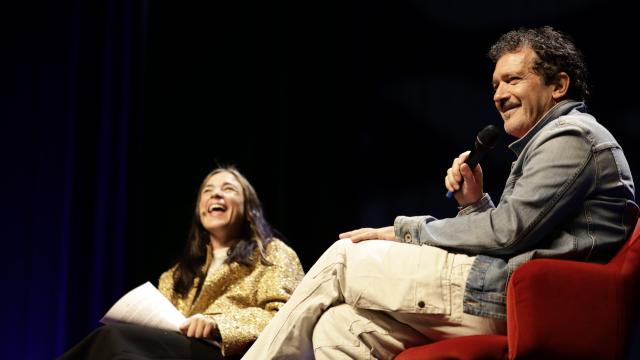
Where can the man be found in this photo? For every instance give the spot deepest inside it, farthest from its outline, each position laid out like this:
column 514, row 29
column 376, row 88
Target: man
column 569, row 195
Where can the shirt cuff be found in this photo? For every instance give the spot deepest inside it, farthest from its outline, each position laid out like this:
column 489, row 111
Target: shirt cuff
column 407, row 228
column 481, row 205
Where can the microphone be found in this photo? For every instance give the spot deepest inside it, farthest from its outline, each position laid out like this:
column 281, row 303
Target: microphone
column 485, row 141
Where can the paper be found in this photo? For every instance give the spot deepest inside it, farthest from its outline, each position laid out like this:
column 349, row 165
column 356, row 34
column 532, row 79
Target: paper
column 146, row 306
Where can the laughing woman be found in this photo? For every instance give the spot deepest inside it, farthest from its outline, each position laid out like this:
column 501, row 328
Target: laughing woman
column 231, row 279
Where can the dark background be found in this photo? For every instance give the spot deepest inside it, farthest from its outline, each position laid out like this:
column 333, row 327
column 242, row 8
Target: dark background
column 342, row 114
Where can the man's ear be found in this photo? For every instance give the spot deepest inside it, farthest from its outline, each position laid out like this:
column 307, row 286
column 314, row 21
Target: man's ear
column 561, row 85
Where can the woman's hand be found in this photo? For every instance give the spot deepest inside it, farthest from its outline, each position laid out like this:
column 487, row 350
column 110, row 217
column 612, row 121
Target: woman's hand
column 385, row 233
column 199, row 326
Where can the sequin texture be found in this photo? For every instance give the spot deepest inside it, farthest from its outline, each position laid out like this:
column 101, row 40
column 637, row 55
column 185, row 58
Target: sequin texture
column 241, row 299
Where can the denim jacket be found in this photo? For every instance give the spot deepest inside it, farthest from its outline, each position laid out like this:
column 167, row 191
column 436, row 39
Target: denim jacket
column 569, row 195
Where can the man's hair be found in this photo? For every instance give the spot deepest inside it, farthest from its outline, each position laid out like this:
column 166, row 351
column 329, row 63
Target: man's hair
column 556, row 53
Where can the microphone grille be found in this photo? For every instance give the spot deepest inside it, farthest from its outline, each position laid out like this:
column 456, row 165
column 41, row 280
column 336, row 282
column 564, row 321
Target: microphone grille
column 489, row 136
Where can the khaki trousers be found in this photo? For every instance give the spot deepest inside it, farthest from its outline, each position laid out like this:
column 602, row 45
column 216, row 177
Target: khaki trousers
column 371, row 300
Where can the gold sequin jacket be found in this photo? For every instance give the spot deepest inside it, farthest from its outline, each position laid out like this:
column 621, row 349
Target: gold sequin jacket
column 240, row 299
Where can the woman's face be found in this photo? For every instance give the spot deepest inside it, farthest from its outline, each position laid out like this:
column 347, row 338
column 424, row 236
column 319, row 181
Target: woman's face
column 221, row 206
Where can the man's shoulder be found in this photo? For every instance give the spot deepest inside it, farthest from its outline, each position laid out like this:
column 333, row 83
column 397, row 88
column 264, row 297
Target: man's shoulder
column 575, row 118
column 577, row 124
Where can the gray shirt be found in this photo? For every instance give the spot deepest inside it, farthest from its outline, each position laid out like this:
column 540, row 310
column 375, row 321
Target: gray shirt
column 569, row 195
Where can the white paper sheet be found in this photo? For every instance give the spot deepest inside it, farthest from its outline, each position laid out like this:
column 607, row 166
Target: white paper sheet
column 145, row 305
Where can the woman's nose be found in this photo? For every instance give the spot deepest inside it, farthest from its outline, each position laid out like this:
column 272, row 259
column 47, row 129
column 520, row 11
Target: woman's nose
column 217, row 193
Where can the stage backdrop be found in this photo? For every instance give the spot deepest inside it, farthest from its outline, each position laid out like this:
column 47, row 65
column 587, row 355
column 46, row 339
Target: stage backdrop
column 343, row 114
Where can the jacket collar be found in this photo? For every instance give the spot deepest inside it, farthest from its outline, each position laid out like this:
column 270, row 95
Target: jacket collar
column 562, row 108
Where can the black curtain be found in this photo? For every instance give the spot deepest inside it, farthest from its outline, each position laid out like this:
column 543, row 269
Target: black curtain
column 71, row 142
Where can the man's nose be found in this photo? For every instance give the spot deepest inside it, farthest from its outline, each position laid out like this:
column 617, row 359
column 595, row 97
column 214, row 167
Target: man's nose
column 499, row 95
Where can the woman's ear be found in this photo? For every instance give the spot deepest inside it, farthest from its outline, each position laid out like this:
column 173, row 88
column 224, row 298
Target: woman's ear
column 561, row 87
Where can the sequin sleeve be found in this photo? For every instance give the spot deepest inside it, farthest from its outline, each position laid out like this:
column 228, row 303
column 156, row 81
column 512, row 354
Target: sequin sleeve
column 239, row 326
column 165, row 284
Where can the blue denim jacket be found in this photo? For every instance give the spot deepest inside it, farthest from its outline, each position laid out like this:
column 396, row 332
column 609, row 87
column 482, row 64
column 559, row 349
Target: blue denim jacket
column 569, row 195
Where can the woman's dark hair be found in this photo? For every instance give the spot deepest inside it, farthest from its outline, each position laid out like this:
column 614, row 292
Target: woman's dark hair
column 556, row 53
column 256, row 234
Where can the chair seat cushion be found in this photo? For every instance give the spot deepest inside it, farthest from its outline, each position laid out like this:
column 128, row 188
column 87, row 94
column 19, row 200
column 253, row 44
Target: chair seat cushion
column 477, row 347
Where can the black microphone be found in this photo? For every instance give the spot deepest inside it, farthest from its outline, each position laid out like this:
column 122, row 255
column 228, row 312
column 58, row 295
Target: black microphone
column 486, row 140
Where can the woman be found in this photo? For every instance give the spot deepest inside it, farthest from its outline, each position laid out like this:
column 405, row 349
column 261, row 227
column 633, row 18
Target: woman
column 231, row 279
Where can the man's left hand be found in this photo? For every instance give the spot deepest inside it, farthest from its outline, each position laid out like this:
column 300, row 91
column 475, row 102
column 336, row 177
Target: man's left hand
column 385, row 233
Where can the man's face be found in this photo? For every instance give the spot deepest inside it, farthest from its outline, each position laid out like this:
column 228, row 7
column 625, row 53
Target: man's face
column 520, row 95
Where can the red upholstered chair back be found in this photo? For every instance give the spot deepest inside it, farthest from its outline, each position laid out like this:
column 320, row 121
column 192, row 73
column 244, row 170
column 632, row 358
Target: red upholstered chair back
column 627, row 263
column 627, row 260
column 567, row 309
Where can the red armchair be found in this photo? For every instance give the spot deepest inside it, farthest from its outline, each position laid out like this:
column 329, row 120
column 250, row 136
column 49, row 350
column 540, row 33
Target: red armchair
column 558, row 309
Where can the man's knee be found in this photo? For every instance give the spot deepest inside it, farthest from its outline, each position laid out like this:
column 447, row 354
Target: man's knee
column 334, row 255
column 340, row 246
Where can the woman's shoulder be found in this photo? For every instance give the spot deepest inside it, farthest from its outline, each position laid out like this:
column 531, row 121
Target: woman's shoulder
column 168, row 274
column 278, row 248
column 165, row 282
column 277, row 245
